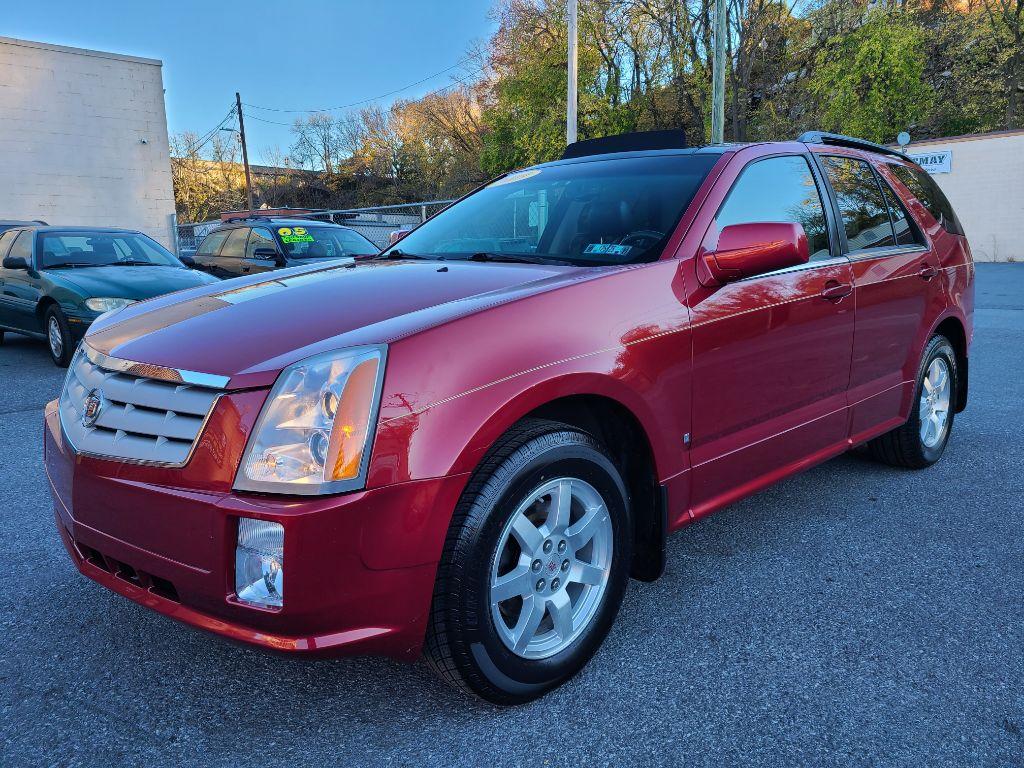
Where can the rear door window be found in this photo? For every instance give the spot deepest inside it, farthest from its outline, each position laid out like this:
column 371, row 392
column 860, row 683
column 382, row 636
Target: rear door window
column 906, row 232
column 211, row 245
column 779, row 189
column 234, row 247
column 861, row 204
column 928, row 193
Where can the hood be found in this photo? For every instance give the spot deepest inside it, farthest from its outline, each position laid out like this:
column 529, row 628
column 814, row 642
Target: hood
column 129, row 282
column 249, row 328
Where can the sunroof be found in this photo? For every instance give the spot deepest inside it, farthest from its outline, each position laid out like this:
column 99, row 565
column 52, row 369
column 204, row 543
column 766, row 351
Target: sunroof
column 627, row 142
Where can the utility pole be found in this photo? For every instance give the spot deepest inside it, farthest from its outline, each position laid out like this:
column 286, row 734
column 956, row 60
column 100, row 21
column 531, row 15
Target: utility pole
column 570, row 111
column 245, row 151
column 718, row 76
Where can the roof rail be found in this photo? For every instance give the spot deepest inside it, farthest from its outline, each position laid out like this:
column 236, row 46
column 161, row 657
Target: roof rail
column 839, row 140
column 235, row 219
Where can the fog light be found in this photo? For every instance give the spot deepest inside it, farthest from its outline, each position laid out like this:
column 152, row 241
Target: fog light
column 259, row 563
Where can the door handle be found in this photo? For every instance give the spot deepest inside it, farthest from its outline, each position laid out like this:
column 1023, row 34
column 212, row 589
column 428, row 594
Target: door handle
column 835, row 291
column 246, row 269
column 927, row 271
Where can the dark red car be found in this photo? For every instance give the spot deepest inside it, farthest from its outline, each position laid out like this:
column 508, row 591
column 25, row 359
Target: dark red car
column 466, row 445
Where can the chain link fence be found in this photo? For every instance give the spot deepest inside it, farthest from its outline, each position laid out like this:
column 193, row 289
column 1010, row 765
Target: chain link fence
column 375, row 224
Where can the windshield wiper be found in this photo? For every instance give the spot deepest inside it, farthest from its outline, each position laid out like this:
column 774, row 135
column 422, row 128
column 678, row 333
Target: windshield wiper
column 71, row 264
column 398, row 253
column 129, row 263
column 516, row 257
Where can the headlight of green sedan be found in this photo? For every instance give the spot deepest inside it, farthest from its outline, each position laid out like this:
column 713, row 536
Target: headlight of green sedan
column 107, row 305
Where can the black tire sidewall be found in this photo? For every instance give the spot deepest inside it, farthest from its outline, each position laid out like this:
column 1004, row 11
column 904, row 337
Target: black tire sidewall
column 502, row 668
column 65, row 331
column 939, row 347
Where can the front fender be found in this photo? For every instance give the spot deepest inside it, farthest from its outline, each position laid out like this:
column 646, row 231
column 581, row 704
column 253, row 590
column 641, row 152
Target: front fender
column 453, row 436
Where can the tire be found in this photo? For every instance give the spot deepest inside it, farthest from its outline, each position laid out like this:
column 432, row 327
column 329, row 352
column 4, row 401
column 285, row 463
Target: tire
column 915, row 445
column 58, row 337
column 465, row 645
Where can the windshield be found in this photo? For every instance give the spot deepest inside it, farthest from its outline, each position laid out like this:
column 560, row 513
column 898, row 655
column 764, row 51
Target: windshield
column 323, row 242
column 592, row 213
column 98, row 249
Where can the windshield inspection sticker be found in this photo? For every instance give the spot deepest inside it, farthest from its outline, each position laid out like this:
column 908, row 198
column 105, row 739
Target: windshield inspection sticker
column 610, row 249
column 294, row 235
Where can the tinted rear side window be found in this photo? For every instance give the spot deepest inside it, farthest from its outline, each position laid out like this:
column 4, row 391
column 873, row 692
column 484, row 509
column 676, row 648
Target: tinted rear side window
column 779, row 189
column 906, row 232
column 234, row 248
column 930, row 196
column 212, row 244
column 865, row 214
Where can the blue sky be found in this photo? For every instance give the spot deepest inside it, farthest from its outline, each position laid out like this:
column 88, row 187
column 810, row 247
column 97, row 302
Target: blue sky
column 296, row 54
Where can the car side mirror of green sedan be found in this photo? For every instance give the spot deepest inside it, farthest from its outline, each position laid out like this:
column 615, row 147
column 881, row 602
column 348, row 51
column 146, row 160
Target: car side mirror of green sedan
column 15, row 262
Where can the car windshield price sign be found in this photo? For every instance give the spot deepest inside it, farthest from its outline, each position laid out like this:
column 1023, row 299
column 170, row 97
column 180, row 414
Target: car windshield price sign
column 934, row 162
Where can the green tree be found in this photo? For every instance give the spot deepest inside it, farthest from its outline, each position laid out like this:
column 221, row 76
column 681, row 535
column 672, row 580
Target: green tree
column 869, row 82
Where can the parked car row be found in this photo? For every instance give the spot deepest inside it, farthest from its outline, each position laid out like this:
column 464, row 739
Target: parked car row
column 56, row 281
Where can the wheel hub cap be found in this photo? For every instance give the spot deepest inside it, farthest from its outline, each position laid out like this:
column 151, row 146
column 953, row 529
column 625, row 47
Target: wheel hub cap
column 933, row 408
column 550, row 569
column 56, row 340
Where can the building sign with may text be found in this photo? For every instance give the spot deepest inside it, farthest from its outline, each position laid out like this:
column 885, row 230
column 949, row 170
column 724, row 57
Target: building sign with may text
column 934, row 162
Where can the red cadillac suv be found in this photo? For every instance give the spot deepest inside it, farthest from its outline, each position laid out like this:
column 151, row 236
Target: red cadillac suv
column 465, row 445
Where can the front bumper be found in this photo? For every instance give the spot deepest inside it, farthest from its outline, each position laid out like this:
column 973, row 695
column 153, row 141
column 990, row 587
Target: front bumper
column 359, row 568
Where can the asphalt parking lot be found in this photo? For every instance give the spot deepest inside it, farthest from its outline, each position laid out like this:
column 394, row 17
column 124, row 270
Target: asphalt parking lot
column 854, row 615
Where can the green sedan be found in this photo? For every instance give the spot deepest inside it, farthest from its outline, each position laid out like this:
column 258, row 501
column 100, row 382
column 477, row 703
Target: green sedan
column 56, row 280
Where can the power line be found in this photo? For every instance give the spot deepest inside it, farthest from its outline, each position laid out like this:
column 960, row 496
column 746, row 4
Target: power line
column 374, row 98
column 436, row 91
column 205, row 139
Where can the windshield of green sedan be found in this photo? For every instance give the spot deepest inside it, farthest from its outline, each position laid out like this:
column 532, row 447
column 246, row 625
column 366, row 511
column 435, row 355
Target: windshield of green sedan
column 597, row 212
column 100, row 249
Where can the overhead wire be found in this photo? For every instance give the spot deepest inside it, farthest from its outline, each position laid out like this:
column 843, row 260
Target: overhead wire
column 457, row 64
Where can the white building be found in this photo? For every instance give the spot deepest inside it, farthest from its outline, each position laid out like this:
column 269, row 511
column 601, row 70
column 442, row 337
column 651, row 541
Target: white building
column 983, row 177
column 83, row 139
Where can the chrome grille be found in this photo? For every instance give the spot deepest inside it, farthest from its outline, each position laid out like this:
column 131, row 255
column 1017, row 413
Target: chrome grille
column 137, row 418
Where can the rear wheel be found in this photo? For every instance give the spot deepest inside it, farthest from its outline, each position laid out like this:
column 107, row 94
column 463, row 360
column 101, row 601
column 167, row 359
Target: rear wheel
column 534, row 567
column 58, row 337
column 921, row 441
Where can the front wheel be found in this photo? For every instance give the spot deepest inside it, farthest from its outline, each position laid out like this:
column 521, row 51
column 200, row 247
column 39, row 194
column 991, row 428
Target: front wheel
column 58, row 337
column 921, row 441
column 534, row 566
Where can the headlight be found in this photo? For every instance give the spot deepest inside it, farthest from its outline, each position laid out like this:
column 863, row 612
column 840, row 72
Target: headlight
column 107, row 305
column 314, row 433
column 259, row 563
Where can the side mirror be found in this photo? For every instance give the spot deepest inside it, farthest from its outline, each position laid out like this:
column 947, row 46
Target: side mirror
column 270, row 254
column 188, row 261
column 15, row 262
column 745, row 250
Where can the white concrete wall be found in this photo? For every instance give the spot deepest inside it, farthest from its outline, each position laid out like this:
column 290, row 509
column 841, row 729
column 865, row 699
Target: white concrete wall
column 986, row 188
column 72, row 126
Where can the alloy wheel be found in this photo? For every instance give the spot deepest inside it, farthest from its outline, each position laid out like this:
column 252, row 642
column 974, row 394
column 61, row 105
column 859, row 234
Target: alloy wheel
column 551, row 568
column 933, row 407
column 55, row 337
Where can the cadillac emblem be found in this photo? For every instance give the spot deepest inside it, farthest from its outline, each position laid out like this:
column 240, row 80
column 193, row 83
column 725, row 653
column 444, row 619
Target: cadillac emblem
column 93, row 406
